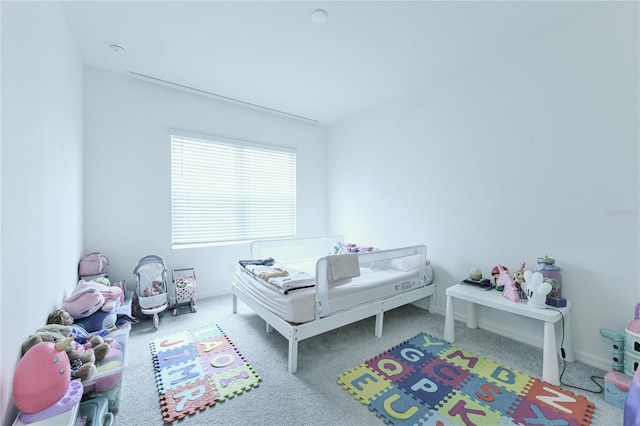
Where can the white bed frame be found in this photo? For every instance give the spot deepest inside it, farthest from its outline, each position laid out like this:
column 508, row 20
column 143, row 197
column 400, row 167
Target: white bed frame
column 332, row 314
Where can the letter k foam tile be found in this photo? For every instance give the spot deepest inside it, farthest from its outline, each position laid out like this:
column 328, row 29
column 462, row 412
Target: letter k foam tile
column 424, row 381
column 196, row 368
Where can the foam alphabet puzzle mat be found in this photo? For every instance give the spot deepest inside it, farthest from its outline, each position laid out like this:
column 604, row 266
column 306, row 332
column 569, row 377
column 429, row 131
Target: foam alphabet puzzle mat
column 197, row 368
column 427, row 381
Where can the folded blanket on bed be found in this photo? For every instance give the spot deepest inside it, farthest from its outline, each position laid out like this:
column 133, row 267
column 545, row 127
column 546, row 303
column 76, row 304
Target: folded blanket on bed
column 266, row 273
column 283, row 280
column 343, row 267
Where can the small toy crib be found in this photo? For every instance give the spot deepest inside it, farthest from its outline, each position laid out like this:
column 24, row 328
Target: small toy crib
column 184, row 284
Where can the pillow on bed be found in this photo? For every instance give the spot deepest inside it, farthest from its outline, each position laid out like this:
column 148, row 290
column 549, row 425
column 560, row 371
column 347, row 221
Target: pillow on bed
column 406, row 263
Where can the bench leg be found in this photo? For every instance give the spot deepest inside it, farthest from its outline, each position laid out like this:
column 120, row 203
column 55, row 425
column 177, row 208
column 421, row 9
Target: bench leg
column 472, row 315
column 569, row 353
column 448, row 321
column 550, row 371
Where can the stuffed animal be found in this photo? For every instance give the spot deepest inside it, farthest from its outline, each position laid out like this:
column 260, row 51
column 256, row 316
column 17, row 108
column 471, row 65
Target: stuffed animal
column 100, row 320
column 518, row 278
column 505, row 281
column 155, row 289
column 90, row 297
column 93, row 341
column 82, row 361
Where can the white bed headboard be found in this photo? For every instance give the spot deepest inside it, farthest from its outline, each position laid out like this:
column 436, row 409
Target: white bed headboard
column 287, row 249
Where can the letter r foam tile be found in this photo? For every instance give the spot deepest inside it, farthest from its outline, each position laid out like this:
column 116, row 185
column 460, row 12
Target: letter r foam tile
column 187, row 400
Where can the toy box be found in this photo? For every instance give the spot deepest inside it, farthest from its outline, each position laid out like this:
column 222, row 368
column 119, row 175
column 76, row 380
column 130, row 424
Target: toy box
column 107, row 382
column 94, row 411
column 616, row 388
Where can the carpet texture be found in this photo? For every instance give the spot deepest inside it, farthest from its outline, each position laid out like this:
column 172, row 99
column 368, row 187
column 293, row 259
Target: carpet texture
column 428, row 381
column 197, row 368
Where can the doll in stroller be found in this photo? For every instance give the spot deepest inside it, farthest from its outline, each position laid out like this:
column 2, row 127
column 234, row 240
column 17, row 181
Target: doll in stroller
column 151, row 287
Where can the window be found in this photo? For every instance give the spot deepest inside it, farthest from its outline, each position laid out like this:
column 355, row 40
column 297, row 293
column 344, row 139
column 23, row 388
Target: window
column 224, row 190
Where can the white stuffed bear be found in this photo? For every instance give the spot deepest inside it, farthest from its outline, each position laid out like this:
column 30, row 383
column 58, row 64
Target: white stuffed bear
column 536, row 289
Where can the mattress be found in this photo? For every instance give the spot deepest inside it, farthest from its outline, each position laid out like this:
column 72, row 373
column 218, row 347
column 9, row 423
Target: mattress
column 298, row 306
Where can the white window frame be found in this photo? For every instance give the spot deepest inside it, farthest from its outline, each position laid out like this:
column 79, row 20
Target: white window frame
column 225, row 191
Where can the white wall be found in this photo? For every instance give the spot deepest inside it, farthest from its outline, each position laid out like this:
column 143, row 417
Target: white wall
column 529, row 152
column 127, row 177
column 41, row 174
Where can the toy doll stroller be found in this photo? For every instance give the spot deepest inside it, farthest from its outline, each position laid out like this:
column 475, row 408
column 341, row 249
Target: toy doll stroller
column 184, row 284
column 151, row 287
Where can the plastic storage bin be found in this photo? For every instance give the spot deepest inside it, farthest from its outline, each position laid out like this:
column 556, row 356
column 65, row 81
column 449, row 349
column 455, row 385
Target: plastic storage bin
column 107, row 382
column 94, row 412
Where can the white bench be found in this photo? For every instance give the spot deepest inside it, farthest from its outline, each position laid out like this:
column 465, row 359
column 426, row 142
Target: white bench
column 494, row 299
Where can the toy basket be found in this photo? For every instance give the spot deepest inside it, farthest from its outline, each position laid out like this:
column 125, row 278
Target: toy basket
column 184, row 285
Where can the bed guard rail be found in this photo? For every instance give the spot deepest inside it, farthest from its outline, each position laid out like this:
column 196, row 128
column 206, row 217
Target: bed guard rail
column 323, row 303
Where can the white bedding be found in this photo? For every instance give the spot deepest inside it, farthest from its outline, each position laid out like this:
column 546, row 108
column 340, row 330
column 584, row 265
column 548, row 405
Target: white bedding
column 298, row 306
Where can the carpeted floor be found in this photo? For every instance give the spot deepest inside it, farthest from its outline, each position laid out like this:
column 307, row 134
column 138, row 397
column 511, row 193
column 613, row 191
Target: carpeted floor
column 313, row 396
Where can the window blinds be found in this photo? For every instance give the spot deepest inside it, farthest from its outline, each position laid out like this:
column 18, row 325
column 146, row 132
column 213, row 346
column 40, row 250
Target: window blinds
column 224, row 191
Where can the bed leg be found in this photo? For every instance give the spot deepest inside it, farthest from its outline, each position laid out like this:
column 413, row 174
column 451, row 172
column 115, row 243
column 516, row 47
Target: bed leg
column 293, row 355
column 269, row 328
column 235, row 303
column 432, row 303
column 379, row 322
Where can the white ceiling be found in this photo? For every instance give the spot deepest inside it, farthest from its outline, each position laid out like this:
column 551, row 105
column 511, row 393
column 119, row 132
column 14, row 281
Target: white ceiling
column 273, row 55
